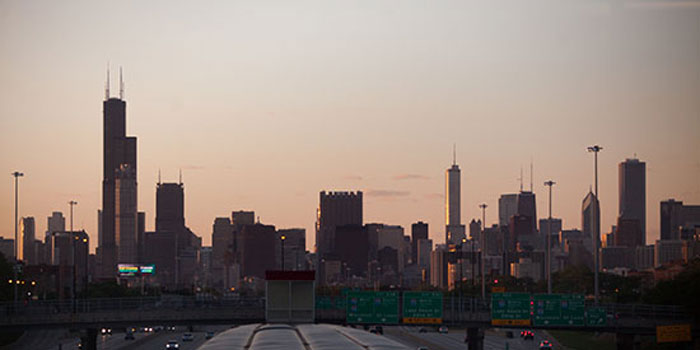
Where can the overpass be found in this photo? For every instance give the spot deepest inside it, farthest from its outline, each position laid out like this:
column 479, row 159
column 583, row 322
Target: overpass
column 91, row 314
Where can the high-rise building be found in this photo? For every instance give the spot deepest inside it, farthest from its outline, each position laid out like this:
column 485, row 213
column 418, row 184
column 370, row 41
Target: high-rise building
column 590, row 217
column 55, row 223
column 294, row 248
column 119, row 153
column 556, row 229
column 628, row 233
column 527, row 208
column 675, row 217
column 475, row 230
column 335, row 209
column 242, row 217
column 392, row 236
column 170, row 207
column 125, row 215
column 7, row 248
column 353, row 249
column 27, row 249
column 256, row 244
column 454, row 230
column 419, row 230
column 222, row 248
column 632, row 189
column 507, row 207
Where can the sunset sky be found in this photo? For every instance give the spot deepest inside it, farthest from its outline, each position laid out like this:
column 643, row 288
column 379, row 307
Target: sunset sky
column 263, row 104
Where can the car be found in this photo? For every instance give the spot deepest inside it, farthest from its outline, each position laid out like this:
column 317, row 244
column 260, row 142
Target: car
column 376, row 329
column 422, row 348
column 129, row 336
column 443, row 330
column 187, row 337
column 528, row 335
column 422, row 330
column 172, row 344
column 545, row 345
column 106, row 331
column 209, row 335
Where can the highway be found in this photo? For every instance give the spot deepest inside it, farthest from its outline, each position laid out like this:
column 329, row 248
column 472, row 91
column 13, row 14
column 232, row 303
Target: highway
column 454, row 339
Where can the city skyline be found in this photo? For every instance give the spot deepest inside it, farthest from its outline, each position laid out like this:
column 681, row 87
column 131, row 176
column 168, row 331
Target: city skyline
column 277, row 141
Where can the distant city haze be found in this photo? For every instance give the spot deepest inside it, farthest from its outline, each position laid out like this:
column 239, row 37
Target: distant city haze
column 262, row 105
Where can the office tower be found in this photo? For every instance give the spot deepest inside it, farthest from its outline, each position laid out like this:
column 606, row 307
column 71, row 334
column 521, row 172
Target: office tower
column 590, row 217
column 294, row 249
column 556, row 229
column 125, row 215
column 7, row 248
column 141, row 236
column 419, row 230
column 119, row 154
column 170, row 207
column 454, row 230
column 55, row 223
column 632, row 187
column 27, row 250
column 507, row 207
column 172, row 247
column 256, row 244
column 392, row 236
column 677, row 218
column 527, row 208
column 628, row 233
column 475, row 230
column 438, row 266
column 353, row 249
column 69, row 250
column 335, row 209
column 425, row 246
column 222, row 248
column 242, row 217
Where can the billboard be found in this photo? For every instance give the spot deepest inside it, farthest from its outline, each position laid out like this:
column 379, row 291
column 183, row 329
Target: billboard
column 130, row 270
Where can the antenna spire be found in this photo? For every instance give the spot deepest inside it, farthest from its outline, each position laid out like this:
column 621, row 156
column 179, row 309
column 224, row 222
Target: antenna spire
column 180, row 176
column 454, row 153
column 107, row 84
column 531, row 172
column 159, row 176
column 521, row 178
column 121, row 84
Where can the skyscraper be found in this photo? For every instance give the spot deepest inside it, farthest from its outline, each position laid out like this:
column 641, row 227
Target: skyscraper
column 335, row 209
column 419, row 230
column 507, row 207
column 55, row 223
column 27, row 250
column 119, row 154
column 632, row 187
column 590, row 219
column 677, row 218
column 125, row 215
column 527, row 207
column 454, row 230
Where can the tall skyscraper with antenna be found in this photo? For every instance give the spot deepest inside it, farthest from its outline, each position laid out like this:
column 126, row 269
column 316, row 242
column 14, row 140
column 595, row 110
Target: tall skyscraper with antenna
column 454, row 230
column 119, row 200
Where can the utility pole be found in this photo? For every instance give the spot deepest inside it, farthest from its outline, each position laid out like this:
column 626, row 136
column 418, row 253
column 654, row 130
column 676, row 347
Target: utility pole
column 17, row 175
column 596, row 284
column 483, row 249
column 73, row 239
column 549, row 183
column 282, row 239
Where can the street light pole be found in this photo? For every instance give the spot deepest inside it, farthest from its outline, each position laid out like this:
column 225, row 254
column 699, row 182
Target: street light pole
column 483, row 249
column 17, row 175
column 596, row 284
column 73, row 238
column 282, row 239
column 548, row 264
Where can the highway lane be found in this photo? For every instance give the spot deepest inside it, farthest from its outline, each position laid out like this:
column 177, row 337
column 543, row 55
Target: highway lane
column 454, row 339
column 159, row 339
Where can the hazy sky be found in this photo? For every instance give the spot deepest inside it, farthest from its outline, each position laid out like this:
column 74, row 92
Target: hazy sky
column 263, row 104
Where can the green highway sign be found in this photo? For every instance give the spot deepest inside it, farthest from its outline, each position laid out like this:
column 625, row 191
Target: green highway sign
column 596, row 316
column 422, row 307
column 558, row 310
column 372, row 307
column 510, row 309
